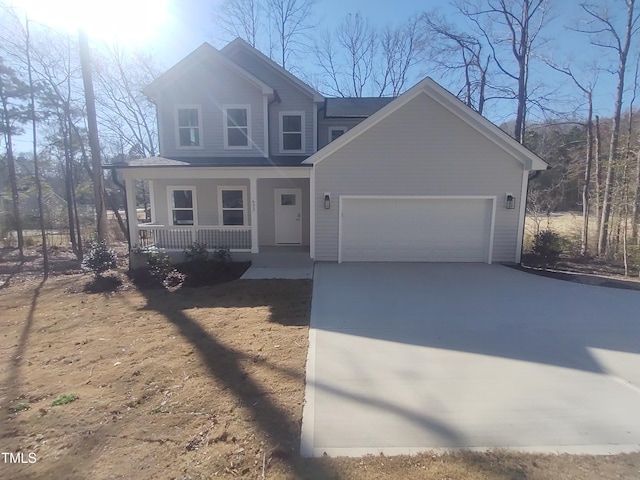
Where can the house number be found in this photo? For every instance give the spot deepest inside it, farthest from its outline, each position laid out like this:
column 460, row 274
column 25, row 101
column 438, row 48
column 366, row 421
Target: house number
column 253, row 205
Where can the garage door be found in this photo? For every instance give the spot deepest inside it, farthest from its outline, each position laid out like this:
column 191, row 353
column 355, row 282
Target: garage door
column 415, row 229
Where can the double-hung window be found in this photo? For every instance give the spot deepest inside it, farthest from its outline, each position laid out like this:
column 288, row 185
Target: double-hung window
column 232, row 205
column 182, row 205
column 292, row 131
column 189, row 122
column 237, row 128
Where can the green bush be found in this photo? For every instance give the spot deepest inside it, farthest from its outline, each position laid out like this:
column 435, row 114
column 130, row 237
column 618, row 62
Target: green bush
column 196, row 252
column 547, row 248
column 99, row 259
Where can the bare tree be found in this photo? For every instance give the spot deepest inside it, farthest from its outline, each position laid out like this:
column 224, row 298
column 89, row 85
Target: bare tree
column 401, row 47
column 447, row 43
column 358, row 39
column 604, row 32
column 290, row 19
column 520, row 23
column 240, row 18
column 94, row 143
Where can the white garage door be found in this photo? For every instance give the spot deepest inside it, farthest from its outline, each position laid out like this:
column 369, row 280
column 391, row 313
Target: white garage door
column 423, row 229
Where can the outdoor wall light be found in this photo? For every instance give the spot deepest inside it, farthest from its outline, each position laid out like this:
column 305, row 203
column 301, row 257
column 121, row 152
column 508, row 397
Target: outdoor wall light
column 327, row 201
column 509, row 201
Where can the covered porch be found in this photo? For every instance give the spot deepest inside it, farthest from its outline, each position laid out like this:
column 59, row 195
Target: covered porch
column 244, row 209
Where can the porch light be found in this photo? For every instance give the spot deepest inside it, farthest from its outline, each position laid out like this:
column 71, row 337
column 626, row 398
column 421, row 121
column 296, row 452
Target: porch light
column 509, row 201
column 327, row 201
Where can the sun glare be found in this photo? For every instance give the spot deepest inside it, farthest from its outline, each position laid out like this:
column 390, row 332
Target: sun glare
column 122, row 21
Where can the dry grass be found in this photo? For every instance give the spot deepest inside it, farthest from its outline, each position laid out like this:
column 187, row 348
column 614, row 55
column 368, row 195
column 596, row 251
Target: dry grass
column 198, row 384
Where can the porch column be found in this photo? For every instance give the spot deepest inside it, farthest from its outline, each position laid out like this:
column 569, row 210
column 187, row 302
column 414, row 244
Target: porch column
column 132, row 214
column 253, row 196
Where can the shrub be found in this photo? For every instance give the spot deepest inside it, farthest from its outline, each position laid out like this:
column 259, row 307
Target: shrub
column 547, row 247
column 158, row 261
column 222, row 255
column 99, row 259
column 196, row 252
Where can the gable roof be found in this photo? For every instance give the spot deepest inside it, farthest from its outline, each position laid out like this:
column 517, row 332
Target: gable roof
column 239, row 43
column 472, row 118
column 205, row 52
column 355, row 107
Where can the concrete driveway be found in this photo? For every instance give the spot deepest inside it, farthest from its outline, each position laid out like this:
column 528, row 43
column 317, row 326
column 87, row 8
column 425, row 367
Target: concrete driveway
column 411, row 357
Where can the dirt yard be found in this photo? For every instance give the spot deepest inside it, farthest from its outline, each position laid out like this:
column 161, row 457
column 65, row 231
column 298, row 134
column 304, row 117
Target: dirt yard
column 201, row 383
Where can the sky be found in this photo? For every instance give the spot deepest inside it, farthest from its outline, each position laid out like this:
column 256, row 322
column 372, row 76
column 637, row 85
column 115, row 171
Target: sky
column 173, row 32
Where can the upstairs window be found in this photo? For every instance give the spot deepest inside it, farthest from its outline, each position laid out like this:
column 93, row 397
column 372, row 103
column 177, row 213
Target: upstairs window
column 292, row 126
column 335, row 132
column 182, row 205
column 189, row 121
column 236, row 126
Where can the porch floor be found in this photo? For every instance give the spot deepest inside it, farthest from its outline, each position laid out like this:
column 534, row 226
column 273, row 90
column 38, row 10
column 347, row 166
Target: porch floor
column 290, row 262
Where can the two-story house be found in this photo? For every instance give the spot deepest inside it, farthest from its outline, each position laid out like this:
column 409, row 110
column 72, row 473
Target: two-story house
column 252, row 157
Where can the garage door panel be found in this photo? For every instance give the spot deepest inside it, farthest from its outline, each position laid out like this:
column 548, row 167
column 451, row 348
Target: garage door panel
column 428, row 230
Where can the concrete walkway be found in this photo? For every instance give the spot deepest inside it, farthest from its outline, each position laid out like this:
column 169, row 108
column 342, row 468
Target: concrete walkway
column 284, row 264
column 411, row 357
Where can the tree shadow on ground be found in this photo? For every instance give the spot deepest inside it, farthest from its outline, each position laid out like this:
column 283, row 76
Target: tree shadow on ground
column 223, row 362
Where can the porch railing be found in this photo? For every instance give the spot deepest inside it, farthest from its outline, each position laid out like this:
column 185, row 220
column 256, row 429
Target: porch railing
column 180, row 237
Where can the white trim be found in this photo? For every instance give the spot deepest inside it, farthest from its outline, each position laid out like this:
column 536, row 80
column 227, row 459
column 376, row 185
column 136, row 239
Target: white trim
column 434, row 91
column 298, row 194
column 332, row 129
column 253, row 200
column 132, row 210
column 292, row 78
column 265, row 119
column 171, row 208
column 312, row 213
column 522, row 214
column 245, row 222
column 225, row 127
column 213, row 53
column 281, row 132
column 152, row 201
column 177, row 127
column 420, row 197
column 189, row 173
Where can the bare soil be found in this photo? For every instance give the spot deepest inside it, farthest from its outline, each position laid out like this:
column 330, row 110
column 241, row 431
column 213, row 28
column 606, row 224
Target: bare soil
column 201, row 383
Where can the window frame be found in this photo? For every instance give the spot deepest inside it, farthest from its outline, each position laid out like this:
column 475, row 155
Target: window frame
column 221, row 209
column 197, row 107
column 172, row 208
column 333, row 129
column 225, row 127
column 300, row 114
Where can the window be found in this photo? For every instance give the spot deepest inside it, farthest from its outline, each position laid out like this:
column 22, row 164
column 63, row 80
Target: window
column 335, row 132
column 292, row 126
column 232, row 202
column 182, row 205
column 236, row 126
column 188, row 121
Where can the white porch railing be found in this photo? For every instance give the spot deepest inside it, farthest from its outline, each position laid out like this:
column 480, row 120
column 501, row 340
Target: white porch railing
column 237, row 239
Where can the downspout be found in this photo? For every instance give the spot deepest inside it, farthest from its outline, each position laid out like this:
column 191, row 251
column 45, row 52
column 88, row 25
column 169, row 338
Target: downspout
column 276, row 98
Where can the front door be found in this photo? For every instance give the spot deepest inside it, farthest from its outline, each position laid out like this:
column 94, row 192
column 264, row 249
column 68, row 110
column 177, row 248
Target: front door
column 288, row 210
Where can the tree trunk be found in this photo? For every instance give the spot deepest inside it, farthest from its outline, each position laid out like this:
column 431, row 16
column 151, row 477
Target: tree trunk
column 636, row 202
column 598, row 172
column 36, row 166
column 13, row 181
column 96, row 163
column 584, row 249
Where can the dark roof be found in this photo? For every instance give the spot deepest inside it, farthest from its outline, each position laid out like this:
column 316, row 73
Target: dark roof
column 354, row 107
column 273, row 161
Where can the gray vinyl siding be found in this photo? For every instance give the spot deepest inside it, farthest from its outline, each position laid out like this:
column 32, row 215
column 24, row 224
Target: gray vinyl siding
column 325, row 123
column 206, row 198
column 421, row 149
column 266, row 206
column 292, row 98
column 211, row 86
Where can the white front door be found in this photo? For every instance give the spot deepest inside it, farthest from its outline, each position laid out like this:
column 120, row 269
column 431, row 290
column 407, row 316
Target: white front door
column 288, row 210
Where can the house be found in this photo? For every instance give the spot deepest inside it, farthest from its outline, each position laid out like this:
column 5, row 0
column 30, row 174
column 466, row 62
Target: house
column 253, row 158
